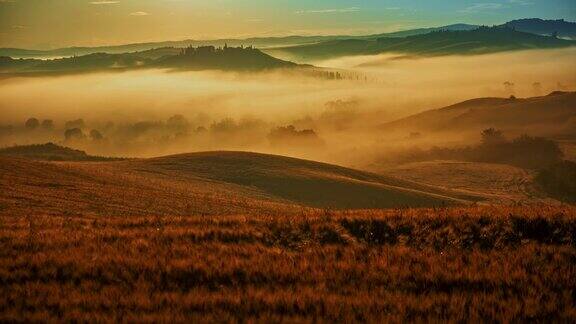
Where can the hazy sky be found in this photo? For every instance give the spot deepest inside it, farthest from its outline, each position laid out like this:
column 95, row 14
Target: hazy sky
column 56, row 23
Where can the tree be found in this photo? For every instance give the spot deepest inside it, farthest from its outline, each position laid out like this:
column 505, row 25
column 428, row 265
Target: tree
column 74, row 134
column 289, row 135
column 178, row 123
column 78, row 123
column 48, row 124
column 492, row 136
column 32, row 123
column 95, row 135
column 509, row 87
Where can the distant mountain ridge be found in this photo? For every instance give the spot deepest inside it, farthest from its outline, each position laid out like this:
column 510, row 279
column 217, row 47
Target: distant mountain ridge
column 531, row 25
column 442, row 42
column 258, row 42
column 560, row 27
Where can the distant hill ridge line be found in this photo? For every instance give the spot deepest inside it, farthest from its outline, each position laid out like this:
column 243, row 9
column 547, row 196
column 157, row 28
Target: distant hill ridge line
column 190, row 58
column 555, row 110
column 533, row 25
column 482, row 40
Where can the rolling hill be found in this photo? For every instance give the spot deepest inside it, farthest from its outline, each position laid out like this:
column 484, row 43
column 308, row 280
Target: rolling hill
column 496, row 183
column 531, row 25
column 259, row 42
column 200, row 183
column 549, row 115
column 50, row 152
column 443, row 42
column 201, row 58
column 559, row 27
column 226, row 58
column 422, row 31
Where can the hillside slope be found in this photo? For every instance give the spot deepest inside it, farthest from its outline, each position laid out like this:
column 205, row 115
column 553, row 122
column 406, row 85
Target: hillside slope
column 200, row 183
column 227, row 58
column 549, row 115
column 559, row 27
column 259, row 42
column 201, row 58
column 442, row 42
column 497, row 183
column 50, row 152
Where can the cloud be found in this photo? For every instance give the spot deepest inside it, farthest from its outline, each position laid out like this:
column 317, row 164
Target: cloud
column 476, row 7
column 323, row 11
column 139, row 13
column 103, row 2
column 521, row 2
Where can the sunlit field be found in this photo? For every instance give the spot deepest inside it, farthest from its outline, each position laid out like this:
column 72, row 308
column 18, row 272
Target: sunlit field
column 479, row 264
column 288, row 161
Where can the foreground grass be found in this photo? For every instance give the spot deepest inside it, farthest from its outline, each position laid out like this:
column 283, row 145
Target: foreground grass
column 476, row 264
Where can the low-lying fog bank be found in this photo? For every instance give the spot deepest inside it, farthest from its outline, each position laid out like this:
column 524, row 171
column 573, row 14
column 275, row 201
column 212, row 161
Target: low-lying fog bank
column 154, row 112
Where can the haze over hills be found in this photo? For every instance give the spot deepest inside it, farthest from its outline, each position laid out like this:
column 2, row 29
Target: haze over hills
column 478, row 41
column 536, row 26
column 258, row 42
column 461, row 40
column 201, row 58
column 554, row 114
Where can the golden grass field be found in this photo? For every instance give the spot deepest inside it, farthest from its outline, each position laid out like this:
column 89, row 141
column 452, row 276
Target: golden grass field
column 491, row 183
column 237, row 237
column 477, row 264
column 218, row 183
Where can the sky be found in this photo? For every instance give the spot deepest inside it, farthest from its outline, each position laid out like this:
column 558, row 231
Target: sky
column 46, row 24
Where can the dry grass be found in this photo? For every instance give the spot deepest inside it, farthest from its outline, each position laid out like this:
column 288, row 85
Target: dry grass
column 459, row 264
column 488, row 182
column 219, row 183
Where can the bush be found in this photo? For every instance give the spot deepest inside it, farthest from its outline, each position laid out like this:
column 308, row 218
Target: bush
column 524, row 151
column 559, row 180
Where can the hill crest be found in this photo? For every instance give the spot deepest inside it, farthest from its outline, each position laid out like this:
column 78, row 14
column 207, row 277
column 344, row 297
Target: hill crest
column 551, row 112
column 206, row 183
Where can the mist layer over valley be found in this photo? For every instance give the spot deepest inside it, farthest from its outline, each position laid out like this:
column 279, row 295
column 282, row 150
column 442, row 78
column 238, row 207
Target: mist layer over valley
column 158, row 112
